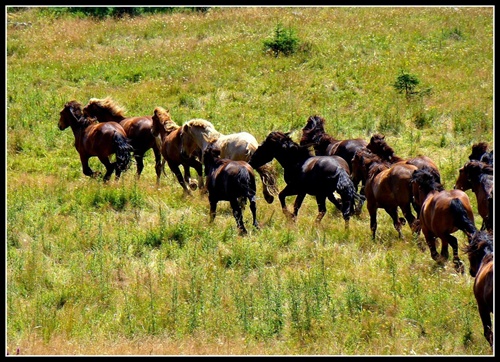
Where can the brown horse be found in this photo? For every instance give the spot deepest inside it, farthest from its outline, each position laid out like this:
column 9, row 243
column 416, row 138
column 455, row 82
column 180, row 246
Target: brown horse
column 313, row 133
column 387, row 187
column 229, row 180
column 442, row 213
column 171, row 149
column 138, row 129
column 478, row 177
column 200, row 133
column 379, row 146
column 480, row 253
column 305, row 174
column 480, row 152
column 97, row 139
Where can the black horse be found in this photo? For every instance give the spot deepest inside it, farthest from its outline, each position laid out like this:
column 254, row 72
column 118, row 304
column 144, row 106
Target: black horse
column 229, row 180
column 304, row 173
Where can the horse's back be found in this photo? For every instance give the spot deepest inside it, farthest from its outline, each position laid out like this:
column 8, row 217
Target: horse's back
column 232, row 179
column 98, row 138
column 436, row 212
column 237, row 146
column 320, row 173
column 138, row 129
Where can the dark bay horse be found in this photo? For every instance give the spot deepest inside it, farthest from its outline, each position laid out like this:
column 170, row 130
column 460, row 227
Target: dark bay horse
column 138, row 130
column 305, row 174
column 313, row 133
column 387, row 187
column 229, row 180
column 235, row 146
column 442, row 212
column 480, row 152
column 478, row 177
column 97, row 139
column 379, row 146
column 171, row 150
column 480, row 253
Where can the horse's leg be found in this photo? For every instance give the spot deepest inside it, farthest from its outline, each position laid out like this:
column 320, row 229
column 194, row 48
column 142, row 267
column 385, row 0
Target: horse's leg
column 253, row 209
column 87, row 171
column 110, row 167
column 398, row 222
column 450, row 239
column 139, row 159
column 213, row 208
column 484, row 313
column 158, row 164
column 238, row 215
column 430, row 239
column 406, row 209
column 321, row 202
column 298, row 203
column 372, row 211
column 287, row 191
column 177, row 172
column 194, row 163
column 335, row 201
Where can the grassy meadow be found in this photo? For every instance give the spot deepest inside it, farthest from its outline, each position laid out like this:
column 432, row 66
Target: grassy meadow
column 129, row 268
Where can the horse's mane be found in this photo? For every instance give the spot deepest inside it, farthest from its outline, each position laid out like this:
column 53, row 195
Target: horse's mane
column 478, row 167
column 426, row 180
column 480, row 240
column 379, row 146
column 109, row 105
column 478, row 149
column 164, row 117
column 212, row 134
column 75, row 108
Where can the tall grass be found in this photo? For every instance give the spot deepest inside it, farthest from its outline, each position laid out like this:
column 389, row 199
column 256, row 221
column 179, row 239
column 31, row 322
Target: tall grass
column 132, row 268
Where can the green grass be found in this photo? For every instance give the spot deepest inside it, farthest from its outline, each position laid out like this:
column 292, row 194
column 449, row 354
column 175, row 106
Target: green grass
column 131, row 268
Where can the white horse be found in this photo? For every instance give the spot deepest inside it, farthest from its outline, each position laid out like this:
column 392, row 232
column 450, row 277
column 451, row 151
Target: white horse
column 234, row 146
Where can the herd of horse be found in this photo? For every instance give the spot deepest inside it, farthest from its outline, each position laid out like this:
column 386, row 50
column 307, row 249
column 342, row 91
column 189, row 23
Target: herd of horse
column 318, row 165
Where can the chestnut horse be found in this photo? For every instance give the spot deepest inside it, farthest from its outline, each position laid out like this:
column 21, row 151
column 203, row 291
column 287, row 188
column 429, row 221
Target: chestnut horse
column 478, row 177
column 387, row 187
column 235, row 146
column 138, row 129
column 480, row 253
column 306, row 174
column 442, row 212
column 379, row 146
column 230, row 180
column 171, row 149
column 313, row 134
column 97, row 139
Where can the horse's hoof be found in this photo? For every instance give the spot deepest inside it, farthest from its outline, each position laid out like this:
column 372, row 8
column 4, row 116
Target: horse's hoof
column 193, row 184
column 459, row 266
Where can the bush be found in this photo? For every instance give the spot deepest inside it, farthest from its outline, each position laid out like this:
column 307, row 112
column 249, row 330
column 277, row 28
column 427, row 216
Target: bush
column 285, row 41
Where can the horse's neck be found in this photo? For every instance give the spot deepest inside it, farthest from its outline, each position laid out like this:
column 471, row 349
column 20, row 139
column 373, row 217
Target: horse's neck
column 325, row 144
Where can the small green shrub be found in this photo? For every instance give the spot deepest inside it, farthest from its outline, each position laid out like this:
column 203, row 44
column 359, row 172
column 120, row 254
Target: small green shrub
column 285, row 41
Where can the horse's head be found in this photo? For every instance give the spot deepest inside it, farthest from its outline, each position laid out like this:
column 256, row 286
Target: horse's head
column 71, row 112
column 312, row 131
column 103, row 109
column 480, row 244
column 162, row 121
column 422, row 182
column 379, row 146
column 478, row 149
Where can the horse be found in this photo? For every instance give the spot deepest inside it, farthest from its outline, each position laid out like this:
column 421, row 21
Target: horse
column 305, row 174
column 387, row 187
column 480, row 152
column 379, row 146
column 230, row 180
column 97, row 139
column 236, row 146
column 480, row 253
column 478, row 177
column 138, row 129
column 171, row 150
column 442, row 212
column 313, row 133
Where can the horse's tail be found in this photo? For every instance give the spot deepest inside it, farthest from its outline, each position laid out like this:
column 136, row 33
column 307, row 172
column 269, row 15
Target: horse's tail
column 269, row 182
column 348, row 194
column 123, row 150
column 460, row 217
column 246, row 185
